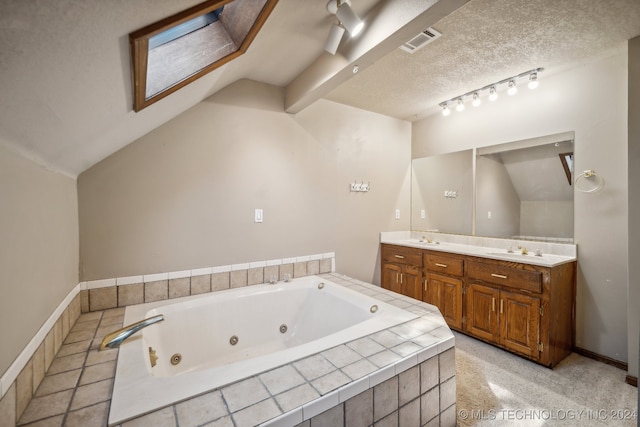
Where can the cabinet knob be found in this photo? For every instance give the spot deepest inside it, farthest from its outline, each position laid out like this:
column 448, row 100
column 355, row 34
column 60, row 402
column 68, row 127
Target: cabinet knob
column 399, row 256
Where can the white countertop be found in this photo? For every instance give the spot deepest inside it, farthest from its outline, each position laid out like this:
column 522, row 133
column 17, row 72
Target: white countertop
column 545, row 260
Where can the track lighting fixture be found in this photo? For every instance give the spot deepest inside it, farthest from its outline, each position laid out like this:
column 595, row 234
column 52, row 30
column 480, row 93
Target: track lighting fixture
column 476, row 99
column 493, row 94
column 333, row 41
column 533, row 80
column 347, row 20
column 492, row 88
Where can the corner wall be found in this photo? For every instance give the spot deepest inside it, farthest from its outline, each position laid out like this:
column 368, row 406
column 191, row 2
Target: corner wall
column 634, row 205
column 592, row 101
column 38, row 249
column 183, row 196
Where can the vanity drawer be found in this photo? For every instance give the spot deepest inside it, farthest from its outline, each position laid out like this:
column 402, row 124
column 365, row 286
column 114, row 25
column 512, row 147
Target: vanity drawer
column 506, row 276
column 402, row 255
column 444, row 264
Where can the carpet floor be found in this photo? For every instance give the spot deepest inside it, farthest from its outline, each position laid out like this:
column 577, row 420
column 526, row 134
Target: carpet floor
column 497, row 388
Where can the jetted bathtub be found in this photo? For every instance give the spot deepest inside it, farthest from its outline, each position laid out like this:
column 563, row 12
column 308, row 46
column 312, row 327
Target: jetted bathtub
column 208, row 341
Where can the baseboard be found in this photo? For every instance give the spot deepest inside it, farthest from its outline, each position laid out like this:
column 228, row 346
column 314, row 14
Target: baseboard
column 600, row 358
column 632, row 380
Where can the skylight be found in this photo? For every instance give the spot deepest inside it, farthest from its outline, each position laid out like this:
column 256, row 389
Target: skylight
column 178, row 50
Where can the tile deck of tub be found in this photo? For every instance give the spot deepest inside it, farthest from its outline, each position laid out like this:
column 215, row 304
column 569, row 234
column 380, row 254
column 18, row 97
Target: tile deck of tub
column 78, row 385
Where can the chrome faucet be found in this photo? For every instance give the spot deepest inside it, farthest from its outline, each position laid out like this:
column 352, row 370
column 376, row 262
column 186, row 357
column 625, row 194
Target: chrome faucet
column 115, row 338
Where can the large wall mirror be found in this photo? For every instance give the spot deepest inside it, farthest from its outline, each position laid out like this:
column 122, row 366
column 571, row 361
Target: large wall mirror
column 521, row 190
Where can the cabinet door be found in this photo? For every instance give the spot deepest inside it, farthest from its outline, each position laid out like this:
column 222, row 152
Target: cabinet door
column 520, row 323
column 391, row 277
column 446, row 294
column 482, row 315
column 411, row 282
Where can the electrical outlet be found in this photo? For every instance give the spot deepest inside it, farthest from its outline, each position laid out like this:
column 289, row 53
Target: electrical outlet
column 397, row 213
column 423, row 214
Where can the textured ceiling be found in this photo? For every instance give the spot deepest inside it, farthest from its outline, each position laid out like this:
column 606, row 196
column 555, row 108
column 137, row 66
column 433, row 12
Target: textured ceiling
column 486, row 41
column 66, row 87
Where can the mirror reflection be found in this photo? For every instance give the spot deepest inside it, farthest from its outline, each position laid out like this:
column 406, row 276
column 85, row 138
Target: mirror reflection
column 522, row 191
column 442, row 193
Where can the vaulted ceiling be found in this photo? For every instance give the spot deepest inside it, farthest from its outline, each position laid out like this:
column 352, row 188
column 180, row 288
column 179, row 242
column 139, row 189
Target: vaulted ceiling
column 65, row 86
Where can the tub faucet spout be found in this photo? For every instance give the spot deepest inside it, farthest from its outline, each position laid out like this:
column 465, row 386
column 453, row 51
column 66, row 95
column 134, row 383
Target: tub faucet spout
column 115, row 338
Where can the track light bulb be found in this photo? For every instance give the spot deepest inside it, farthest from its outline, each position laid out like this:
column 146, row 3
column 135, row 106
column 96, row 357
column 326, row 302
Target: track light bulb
column 476, row 99
column 445, row 110
column 493, row 95
column 533, row 80
column 512, row 88
column 460, row 106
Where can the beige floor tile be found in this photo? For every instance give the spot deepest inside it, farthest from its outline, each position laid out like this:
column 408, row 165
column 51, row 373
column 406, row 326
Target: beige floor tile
column 67, row 363
column 47, row 422
column 79, row 336
column 95, row 373
column 112, row 322
column 95, row 357
column 87, row 317
column 58, row 382
column 76, row 347
column 46, row 406
column 86, row 325
column 91, row 416
column 112, row 312
column 90, row 394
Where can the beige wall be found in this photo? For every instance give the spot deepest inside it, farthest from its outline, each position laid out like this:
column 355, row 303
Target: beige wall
column 634, row 205
column 184, row 195
column 592, row 101
column 38, row 249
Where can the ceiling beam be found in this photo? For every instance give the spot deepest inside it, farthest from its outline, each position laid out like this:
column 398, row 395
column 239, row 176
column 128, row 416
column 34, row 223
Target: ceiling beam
column 390, row 24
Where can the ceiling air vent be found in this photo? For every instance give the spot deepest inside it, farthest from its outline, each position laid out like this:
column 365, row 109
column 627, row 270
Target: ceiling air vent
column 421, row 40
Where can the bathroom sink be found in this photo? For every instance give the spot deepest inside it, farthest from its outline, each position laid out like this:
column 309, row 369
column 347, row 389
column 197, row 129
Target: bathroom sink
column 514, row 255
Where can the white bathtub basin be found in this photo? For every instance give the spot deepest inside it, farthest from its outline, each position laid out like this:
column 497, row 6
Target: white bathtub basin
column 200, row 328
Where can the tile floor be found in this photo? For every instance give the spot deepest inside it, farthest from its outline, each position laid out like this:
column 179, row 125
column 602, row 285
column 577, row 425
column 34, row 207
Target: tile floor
column 77, row 387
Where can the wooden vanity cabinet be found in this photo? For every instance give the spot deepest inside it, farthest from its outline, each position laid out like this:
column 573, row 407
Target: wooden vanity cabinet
column 443, row 284
column 526, row 309
column 402, row 270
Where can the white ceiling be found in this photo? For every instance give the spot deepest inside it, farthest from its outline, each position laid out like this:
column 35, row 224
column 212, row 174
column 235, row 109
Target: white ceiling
column 66, row 89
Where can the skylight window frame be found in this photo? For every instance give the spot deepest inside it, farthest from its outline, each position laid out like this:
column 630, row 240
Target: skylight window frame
column 139, row 49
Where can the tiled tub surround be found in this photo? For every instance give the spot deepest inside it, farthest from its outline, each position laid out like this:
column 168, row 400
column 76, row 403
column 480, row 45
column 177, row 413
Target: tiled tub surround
column 20, row 382
column 26, row 376
column 403, row 376
column 317, row 314
column 104, row 294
